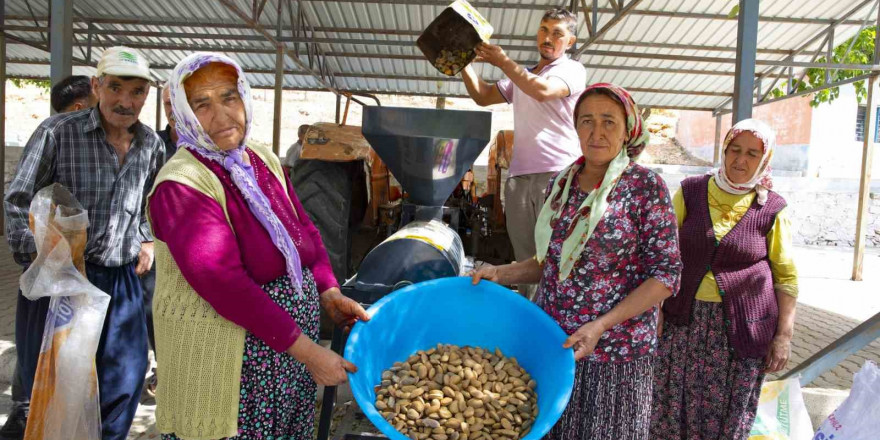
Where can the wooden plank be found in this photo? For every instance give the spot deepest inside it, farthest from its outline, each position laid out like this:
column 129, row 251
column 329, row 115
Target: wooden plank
column 279, row 99
column 717, row 158
column 3, row 112
column 864, row 184
column 837, row 351
column 500, row 152
column 159, row 109
column 587, row 17
column 334, row 143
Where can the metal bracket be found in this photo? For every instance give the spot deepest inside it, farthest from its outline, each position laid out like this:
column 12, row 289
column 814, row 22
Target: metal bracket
column 324, row 75
column 597, row 33
column 828, row 357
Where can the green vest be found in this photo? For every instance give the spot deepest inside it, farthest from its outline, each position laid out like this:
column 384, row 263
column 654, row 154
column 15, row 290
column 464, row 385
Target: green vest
column 200, row 352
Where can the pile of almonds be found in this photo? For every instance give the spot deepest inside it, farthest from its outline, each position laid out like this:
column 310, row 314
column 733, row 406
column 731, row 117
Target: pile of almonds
column 458, row 393
column 451, row 62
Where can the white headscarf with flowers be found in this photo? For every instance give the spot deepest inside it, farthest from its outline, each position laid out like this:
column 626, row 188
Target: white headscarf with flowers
column 762, row 180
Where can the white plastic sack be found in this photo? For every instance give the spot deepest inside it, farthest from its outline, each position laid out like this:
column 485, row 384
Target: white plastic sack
column 782, row 414
column 858, row 417
column 64, row 401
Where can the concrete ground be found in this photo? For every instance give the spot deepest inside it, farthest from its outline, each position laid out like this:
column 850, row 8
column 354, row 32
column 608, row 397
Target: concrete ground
column 829, row 306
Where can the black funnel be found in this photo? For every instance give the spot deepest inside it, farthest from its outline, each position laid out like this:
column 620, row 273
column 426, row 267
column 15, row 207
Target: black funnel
column 428, row 151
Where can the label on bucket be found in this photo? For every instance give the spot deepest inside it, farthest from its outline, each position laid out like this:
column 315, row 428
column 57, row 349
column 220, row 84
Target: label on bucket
column 482, row 26
column 433, row 233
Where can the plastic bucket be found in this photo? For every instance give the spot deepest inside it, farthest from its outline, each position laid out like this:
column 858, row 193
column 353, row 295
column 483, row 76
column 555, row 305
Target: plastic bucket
column 453, row 311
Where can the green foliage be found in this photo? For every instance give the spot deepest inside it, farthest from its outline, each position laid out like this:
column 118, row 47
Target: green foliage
column 43, row 83
column 734, row 11
column 862, row 52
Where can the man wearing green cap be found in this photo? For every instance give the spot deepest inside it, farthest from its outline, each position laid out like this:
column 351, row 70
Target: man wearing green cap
column 108, row 160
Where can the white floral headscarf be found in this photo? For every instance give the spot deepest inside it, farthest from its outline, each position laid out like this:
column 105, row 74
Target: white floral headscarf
column 762, row 181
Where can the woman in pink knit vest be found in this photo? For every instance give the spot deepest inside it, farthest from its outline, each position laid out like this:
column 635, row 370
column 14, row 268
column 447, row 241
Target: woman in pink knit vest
column 733, row 317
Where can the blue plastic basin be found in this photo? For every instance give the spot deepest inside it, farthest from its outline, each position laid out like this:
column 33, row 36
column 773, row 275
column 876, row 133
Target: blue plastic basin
column 453, row 311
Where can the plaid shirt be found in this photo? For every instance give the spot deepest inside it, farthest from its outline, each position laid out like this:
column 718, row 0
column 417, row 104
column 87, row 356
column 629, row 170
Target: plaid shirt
column 72, row 149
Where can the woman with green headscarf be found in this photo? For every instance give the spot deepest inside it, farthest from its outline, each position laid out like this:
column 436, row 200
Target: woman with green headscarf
column 607, row 256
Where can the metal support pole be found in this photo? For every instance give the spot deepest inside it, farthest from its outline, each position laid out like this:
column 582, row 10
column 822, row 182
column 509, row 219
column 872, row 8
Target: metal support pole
column 864, row 184
column 61, row 40
column 832, row 355
column 746, row 51
column 3, row 112
column 876, row 56
column 337, row 344
column 279, row 86
column 829, row 54
column 159, row 108
column 595, row 13
column 338, row 108
column 717, row 150
column 758, row 86
column 572, row 7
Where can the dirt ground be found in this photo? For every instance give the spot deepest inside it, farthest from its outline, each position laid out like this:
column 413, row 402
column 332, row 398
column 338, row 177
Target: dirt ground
column 664, row 148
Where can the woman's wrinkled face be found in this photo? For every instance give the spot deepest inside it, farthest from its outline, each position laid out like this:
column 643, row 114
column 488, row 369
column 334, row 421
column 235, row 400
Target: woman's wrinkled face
column 743, row 157
column 212, row 93
column 601, row 128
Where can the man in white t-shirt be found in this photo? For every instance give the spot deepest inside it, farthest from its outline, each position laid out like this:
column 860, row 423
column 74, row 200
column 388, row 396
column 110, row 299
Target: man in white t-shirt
column 544, row 138
column 295, row 151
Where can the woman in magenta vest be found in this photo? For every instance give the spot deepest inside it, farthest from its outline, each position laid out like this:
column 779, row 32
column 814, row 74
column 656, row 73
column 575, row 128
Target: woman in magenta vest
column 607, row 254
column 733, row 318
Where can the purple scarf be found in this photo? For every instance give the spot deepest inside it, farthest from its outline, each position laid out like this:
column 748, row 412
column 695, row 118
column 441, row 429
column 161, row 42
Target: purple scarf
column 192, row 136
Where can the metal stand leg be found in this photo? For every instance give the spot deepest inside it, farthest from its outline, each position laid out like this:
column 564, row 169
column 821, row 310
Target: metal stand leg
column 336, row 344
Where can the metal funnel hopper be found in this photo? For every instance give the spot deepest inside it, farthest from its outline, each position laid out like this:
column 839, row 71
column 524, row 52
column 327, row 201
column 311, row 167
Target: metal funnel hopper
column 428, row 151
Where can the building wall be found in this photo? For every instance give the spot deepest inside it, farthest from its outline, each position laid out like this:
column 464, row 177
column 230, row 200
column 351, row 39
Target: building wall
column 834, row 151
column 822, row 211
column 792, row 119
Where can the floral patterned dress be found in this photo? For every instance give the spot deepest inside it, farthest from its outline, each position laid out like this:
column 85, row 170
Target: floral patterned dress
column 635, row 240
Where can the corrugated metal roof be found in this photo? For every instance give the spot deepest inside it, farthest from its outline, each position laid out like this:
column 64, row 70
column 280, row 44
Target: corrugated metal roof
column 674, row 54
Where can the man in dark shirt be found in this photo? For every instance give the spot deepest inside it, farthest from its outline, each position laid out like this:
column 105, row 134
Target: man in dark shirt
column 168, row 135
column 72, row 94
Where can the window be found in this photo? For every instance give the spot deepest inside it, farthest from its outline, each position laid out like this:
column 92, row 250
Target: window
column 860, row 124
column 877, row 126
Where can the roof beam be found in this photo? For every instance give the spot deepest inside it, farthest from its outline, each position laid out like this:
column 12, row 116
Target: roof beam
column 323, row 75
column 825, row 33
column 320, row 29
column 640, row 69
column 393, row 93
column 614, row 5
column 258, row 9
column 406, row 78
column 804, row 92
column 598, row 34
column 177, row 21
column 610, row 11
column 395, row 77
column 587, row 20
column 254, row 49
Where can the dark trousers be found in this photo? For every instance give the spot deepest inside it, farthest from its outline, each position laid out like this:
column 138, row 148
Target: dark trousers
column 122, row 351
column 19, row 398
column 148, row 285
